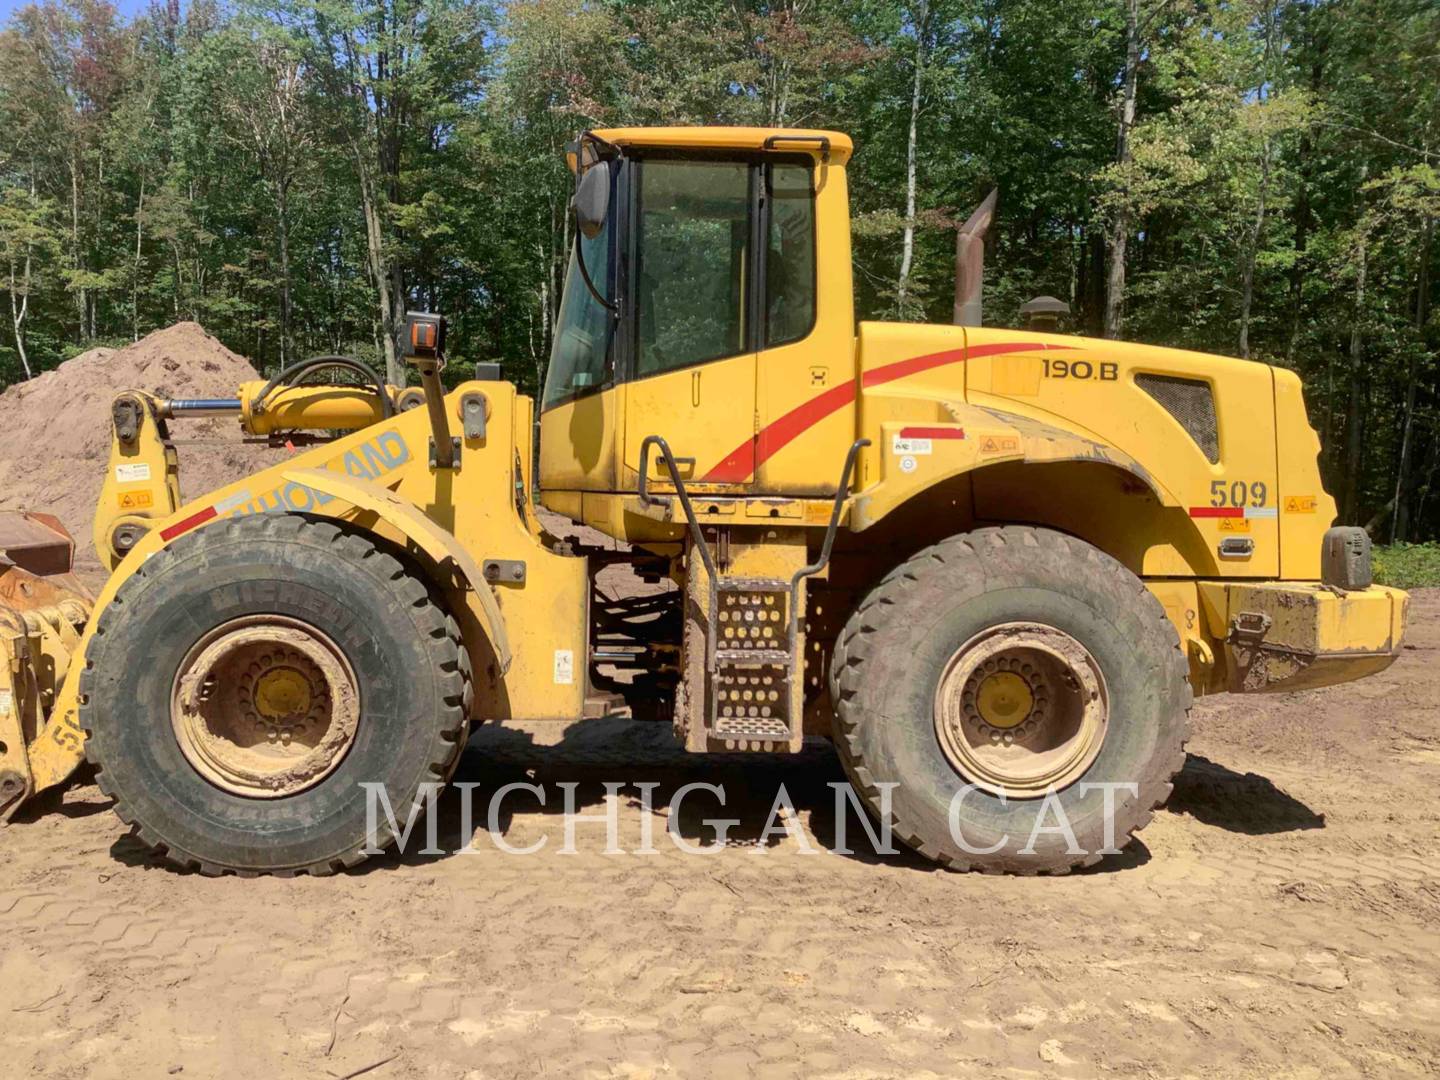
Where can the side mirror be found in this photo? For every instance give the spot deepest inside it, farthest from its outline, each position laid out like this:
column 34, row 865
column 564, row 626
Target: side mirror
column 592, row 199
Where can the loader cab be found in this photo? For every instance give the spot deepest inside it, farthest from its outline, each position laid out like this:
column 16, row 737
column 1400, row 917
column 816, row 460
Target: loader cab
column 718, row 304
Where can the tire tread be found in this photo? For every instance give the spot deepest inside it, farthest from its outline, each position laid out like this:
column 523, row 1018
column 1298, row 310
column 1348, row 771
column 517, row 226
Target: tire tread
column 855, row 652
column 440, row 631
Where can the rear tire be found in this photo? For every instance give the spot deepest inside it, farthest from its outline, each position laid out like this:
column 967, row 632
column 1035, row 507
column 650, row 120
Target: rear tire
column 341, row 587
column 891, row 680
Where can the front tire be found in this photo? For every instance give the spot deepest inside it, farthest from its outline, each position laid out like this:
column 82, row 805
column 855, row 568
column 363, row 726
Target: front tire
column 247, row 680
column 999, row 680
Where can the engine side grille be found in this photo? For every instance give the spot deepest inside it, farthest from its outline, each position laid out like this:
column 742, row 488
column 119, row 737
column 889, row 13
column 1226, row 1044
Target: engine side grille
column 1192, row 403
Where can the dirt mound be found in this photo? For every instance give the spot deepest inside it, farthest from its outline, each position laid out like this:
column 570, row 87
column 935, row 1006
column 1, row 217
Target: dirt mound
column 55, row 429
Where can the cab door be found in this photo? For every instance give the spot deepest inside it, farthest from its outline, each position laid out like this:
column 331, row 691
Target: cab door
column 692, row 334
column 806, row 369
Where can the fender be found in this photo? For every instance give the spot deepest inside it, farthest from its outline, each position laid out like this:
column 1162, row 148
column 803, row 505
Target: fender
column 440, row 546
column 1042, row 442
column 916, row 457
column 59, row 749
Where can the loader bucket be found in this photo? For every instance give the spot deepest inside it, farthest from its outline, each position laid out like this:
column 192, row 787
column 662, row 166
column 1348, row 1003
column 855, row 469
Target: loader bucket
column 43, row 610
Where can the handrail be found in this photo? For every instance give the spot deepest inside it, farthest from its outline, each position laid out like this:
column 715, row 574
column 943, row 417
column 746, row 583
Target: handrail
column 697, row 538
column 841, row 494
column 822, row 141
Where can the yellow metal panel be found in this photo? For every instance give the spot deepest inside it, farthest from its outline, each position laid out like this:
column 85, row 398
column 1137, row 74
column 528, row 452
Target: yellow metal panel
column 547, row 618
column 728, row 138
column 1306, row 511
column 1016, row 376
column 577, row 443
column 141, row 481
column 704, row 412
column 524, row 406
column 1291, row 635
column 806, row 394
column 1089, row 387
column 1181, row 602
column 564, row 503
column 924, row 440
column 907, row 372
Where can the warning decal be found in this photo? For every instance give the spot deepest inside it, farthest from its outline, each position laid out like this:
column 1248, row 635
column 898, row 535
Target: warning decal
column 135, row 500
column 564, row 667
column 999, row 444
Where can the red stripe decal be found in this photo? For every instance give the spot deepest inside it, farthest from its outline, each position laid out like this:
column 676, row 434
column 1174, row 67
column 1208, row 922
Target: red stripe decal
column 916, row 364
column 932, row 433
column 1217, row 511
column 199, row 518
column 742, row 462
column 746, row 458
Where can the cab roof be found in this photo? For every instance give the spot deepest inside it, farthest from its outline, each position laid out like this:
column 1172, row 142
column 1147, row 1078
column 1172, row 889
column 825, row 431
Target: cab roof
column 792, row 140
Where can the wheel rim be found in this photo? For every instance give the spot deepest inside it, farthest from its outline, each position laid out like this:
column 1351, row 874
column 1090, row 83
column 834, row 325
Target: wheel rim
column 1021, row 709
column 265, row 706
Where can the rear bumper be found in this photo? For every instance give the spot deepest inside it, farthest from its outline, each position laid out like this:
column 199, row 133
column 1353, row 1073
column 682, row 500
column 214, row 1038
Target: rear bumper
column 1289, row 635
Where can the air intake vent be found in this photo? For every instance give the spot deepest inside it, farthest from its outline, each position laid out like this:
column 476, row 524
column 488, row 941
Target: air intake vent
column 1192, row 403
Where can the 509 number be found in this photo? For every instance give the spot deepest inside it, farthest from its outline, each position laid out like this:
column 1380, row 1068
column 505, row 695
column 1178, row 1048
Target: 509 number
column 1238, row 493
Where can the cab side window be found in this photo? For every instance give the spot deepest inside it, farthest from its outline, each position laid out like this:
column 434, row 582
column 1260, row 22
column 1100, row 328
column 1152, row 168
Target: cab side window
column 789, row 254
column 692, row 248
column 701, row 290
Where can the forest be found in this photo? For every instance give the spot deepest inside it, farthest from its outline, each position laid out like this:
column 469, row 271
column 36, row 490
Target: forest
column 1259, row 178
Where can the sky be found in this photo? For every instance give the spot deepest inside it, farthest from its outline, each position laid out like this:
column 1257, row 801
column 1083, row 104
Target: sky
column 127, row 8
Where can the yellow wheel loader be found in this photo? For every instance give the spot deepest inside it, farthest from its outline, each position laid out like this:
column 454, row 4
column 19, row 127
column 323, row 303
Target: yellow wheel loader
column 992, row 565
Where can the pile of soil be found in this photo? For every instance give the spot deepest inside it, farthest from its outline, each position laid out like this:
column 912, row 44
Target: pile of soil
column 55, row 429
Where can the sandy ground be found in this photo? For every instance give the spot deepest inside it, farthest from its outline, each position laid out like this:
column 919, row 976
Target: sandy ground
column 1281, row 918
column 56, row 429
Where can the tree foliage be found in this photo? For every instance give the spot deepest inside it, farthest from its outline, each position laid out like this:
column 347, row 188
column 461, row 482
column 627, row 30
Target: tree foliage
column 1253, row 177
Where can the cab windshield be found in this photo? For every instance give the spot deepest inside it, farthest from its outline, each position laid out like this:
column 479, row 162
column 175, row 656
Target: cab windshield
column 582, row 330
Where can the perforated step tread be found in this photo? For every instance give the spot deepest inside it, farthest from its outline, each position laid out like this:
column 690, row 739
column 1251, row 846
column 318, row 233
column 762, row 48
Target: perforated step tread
column 776, row 657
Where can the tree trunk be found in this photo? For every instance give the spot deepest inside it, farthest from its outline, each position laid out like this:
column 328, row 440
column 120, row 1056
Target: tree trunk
column 1302, row 242
column 1355, row 413
column 1422, row 314
column 135, row 273
column 1257, row 230
column 1247, row 277
column 907, row 245
column 779, row 93
column 1120, row 228
column 1305, row 155
column 282, row 213
column 18, row 310
column 1418, row 485
column 1327, row 444
column 379, row 269
column 82, row 299
column 1428, row 472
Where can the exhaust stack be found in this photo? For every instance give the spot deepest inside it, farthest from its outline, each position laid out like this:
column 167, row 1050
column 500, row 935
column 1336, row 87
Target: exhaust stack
column 970, row 261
